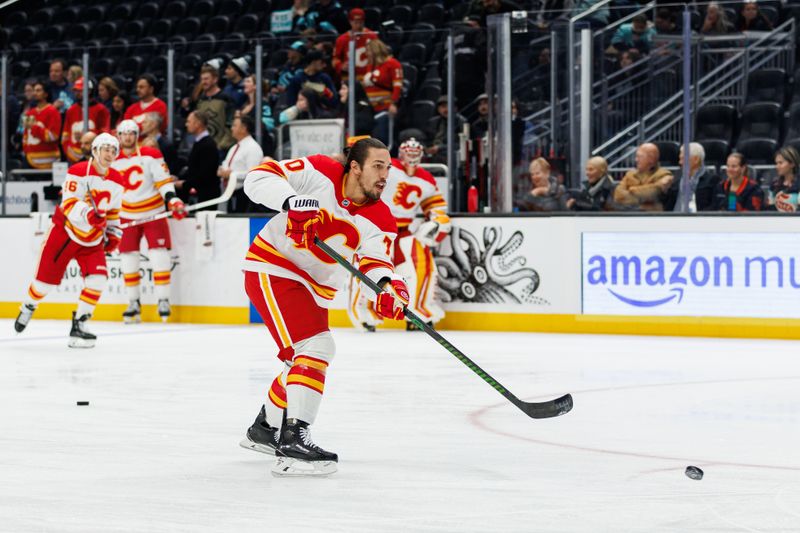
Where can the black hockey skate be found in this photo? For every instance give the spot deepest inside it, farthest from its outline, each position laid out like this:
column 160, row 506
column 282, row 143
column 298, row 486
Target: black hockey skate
column 24, row 316
column 164, row 310
column 133, row 314
column 297, row 455
column 369, row 328
column 261, row 437
column 79, row 337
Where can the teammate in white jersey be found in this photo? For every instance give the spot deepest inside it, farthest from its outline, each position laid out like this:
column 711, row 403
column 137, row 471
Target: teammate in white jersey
column 85, row 227
column 291, row 282
column 148, row 189
column 410, row 191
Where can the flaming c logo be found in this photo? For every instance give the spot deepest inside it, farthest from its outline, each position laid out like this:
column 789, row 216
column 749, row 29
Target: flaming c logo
column 128, row 176
column 328, row 227
column 99, row 197
column 403, row 195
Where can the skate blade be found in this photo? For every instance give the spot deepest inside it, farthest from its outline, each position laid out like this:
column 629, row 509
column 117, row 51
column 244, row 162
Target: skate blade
column 132, row 319
column 289, row 467
column 80, row 343
column 256, row 447
column 164, row 318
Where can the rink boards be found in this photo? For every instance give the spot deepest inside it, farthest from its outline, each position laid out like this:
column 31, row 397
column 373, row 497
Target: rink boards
column 699, row 276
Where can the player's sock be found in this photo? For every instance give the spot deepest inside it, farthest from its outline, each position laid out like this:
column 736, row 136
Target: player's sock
column 130, row 271
column 159, row 259
column 298, row 455
column 305, row 384
column 276, row 400
column 93, row 288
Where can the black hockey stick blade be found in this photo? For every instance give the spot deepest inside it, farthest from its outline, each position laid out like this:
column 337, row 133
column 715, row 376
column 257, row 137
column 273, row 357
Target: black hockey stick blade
column 547, row 409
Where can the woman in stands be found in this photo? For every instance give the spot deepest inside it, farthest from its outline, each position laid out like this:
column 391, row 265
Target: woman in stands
column 383, row 83
column 784, row 189
column 716, row 21
column 546, row 194
column 119, row 103
column 106, row 91
column 249, row 109
column 738, row 192
column 751, row 18
column 308, row 107
column 42, row 128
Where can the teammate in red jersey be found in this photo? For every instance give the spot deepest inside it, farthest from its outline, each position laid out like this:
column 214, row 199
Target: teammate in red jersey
column 291, row 282
column 148, row 192
column 85, row 227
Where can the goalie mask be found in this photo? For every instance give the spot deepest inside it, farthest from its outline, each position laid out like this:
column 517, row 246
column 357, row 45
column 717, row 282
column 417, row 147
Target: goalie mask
column 410, row 152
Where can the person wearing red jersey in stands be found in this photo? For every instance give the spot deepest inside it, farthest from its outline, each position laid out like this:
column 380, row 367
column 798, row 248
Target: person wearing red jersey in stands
column 148, row 103
column 99, row 121
column 362, row 36
column 384, row 85
column 42, row 125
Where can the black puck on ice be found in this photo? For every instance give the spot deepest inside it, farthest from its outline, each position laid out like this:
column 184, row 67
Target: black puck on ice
column 83, row 403
column 693, row 472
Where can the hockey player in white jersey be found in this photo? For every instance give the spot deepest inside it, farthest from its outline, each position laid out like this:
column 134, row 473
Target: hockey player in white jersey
column 148, row 192
column 291, row 282
column 410, row 191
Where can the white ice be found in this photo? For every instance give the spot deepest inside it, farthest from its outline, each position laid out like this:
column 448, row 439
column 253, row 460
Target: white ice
column 424, row 444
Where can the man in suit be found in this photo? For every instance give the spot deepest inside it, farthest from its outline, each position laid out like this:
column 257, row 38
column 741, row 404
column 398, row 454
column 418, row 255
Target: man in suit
column 201, row 171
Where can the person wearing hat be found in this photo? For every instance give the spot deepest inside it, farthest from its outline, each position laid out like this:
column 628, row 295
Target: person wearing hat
column 235, row 73
column 295, row 58
column 437, row 130
column 99, row 120
column 341, row 52
column 480, row 125
column 313, row 77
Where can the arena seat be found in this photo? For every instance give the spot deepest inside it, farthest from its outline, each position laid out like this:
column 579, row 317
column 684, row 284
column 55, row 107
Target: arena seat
column 715, row 121
column 767, row 85
column 758, row 151
column 761, row 120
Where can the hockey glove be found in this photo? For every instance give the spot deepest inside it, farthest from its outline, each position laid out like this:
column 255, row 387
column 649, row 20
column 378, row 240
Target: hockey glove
column 303, row 215
column 96, row 218
column 426, row 233
column 177, row 207
column 391, row 302
column 112, row 242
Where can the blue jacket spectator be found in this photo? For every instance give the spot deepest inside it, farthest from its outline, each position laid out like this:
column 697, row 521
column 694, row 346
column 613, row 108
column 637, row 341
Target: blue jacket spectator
column 58, row 87
column 636, row 34
column 235, row 72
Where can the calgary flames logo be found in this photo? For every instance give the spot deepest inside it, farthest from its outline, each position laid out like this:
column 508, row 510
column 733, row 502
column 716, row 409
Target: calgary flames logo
column 330, row 226
column 403, row 195
column 128, row 175
column 101, row 198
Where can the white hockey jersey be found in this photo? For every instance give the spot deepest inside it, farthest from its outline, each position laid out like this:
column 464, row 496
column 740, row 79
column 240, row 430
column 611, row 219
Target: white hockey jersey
column 82, row 181
column 367, row 230
column 147, row 181
column 409, row 195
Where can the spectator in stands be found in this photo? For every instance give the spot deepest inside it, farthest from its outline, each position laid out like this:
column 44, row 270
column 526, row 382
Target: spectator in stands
column 299, row 22
column 217, row 107
column 151, row 136
column 73, row 73
column 42, row 128
column 148, row 102
column 784, row 189
column 28, row 103
column 241, row 157
column 119, row 104
column 664, row 22
column 341, row 52
column 365, row 115
column 635, row 34
column 201, row 170
column 313, row 77
column 327, row 16
column 752, row 19
column 480, row 9
column 480, row 125
column 597, row 193
column 327, row 50
column 307, row 107
column 249, row 109
column 597, row 19
column 235, row 72
column 106, row 91
column 702, row 183
column 384, row 86
column 643, row 187
column 59, row 89
column 294, row 65
column 437, row 131
column 737, row 192
column 716, row 21
column 99, row 121
column 86, row 145
column 629, row 57
column 546, row 194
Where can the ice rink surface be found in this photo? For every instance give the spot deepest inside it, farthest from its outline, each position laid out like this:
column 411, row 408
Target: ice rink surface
column 424, row 444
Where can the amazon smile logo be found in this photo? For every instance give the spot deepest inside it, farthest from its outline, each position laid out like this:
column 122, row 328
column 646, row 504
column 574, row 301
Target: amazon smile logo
column 655, row 281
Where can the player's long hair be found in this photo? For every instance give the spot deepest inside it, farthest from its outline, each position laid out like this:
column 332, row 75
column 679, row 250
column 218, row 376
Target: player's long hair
column 359, row 151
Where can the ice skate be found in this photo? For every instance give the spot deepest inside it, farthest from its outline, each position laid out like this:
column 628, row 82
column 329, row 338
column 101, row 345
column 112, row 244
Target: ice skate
column 79, row 337
column 164, row 310
column 261, row 437
column 297, row 455
column 133, row 314
column 24, row 316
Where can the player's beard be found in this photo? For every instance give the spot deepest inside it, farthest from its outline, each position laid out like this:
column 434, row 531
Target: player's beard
column 374, row 193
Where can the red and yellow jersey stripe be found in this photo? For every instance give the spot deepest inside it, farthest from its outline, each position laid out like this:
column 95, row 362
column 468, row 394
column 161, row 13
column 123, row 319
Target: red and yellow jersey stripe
column 149, row 204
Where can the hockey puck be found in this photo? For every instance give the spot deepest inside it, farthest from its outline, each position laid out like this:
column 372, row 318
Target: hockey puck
column 693, row 472
column 83, row 403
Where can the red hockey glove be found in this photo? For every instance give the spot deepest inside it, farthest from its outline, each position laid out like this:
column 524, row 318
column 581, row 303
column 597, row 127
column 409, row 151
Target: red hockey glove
column 178, row 208
column 303, row 216
column 96, row 218
column 392, row 301
column 112, row 242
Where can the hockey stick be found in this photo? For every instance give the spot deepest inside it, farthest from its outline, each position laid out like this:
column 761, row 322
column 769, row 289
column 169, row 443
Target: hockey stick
column 556, row 407
column 226, row 195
